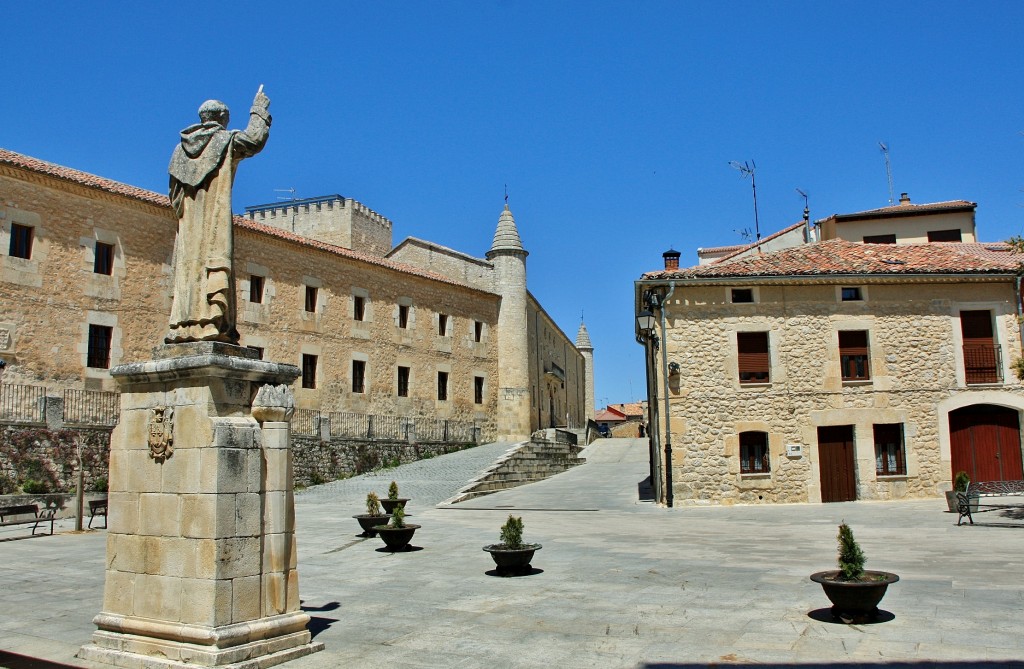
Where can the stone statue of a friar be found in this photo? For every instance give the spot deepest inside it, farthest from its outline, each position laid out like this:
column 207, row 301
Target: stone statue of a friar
column 202, row 172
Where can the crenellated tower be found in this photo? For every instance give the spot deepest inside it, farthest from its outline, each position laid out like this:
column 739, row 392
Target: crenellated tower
column 586, row 349
column 509, row 259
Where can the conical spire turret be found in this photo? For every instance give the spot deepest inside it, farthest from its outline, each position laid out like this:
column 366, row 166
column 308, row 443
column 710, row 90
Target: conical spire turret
column 583, row 338
column 506, row 237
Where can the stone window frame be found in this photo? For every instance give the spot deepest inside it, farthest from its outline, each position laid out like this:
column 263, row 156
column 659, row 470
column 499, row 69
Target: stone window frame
column 99, row 342
column 851, row 350
column 445, row 324
column 756, row 440
column 106, row 319
column 364, row 295
column 479, row 330
column 746, row 366
column 479, row 389
column 861, row 290
column 755, row 294
column 103, row 263
column 362, row 362
column 405, row 314
column 21, row 240
column 319, row 296
column 309, row 362
column 403, row 386
column 999, row 311
column 17, row 270
column 257, row 288
column 444, row 380
column 882, row 469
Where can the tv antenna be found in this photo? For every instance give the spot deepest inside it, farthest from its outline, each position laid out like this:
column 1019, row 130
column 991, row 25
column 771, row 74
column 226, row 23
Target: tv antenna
column 747, row 170
column 744, row 234
column 807, row 214
column 285, row 190
column 888, row 170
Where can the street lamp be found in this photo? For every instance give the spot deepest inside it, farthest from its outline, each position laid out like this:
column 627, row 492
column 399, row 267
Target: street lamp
column 648, row 336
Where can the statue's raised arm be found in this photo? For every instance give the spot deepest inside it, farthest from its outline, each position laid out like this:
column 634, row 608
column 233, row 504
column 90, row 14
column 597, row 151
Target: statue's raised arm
column 202, row 172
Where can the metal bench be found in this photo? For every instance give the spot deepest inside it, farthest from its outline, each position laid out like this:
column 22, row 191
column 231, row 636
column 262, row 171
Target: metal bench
column 24, row 514
column 98, row 507
column 978, row 489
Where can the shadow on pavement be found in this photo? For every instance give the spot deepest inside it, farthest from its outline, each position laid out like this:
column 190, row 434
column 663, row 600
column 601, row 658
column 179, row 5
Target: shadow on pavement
column 532, row 571
column 735, row 661
column 825, row 616
column 15, row 661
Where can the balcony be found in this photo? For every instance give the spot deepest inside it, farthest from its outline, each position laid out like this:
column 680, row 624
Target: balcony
column 982, row 364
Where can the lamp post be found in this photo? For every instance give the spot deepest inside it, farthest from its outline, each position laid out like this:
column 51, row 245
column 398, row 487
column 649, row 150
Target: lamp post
column 648, row 336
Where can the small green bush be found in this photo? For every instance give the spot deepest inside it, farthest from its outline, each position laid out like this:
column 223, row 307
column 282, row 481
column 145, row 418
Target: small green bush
column 373, row 505
column 851, row 557
column 393, row 491
column 512, row 532
column 99, row 484
column 961, row 481
column 398, row 517
column 34, row 487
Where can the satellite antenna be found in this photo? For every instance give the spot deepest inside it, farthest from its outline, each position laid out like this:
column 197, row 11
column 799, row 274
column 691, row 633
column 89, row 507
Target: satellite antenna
column 888, row 170
column 285, row 190
column 807, row 215
column 747, row 170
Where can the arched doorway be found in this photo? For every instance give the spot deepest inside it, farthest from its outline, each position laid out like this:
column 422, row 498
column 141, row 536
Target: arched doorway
column 984, row 441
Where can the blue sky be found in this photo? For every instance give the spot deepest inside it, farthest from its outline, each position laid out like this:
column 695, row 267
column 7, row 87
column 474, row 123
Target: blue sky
column 613, row 124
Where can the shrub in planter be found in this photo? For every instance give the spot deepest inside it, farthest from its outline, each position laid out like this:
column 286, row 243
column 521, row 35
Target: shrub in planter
column 397, row 534
column 393, row 499
column 374, row 515
column 854, row 591
column 512, row 556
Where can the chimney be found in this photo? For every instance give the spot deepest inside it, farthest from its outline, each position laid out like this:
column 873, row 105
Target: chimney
column 671, row 259
column 904, row 199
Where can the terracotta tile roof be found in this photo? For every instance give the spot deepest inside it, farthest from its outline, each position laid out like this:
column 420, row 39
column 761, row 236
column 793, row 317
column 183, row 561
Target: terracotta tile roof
column 904, row 210
column 110, row 186
column 841, row 257
column 608, row 416
column 754, row 245
column 81, row 178
column 722, row 249
column 632, row 409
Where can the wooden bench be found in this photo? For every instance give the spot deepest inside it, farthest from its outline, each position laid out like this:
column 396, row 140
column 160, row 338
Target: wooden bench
column 978, row 489
column 23, row 514
column 98, row 507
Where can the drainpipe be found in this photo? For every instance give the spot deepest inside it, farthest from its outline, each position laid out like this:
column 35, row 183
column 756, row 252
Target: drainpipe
column 1020, row 309
column 669, row 497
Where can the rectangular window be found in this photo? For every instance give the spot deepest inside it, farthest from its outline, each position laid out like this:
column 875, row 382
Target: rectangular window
column 100, row 337
column 104, row 260
column 358, row 307
column 754, row 453
column 442, row 325
column 403, row 381
column 311, row 295
column 889, row 456
column 308, row 370
column 945, row 236
column 358, row 376
column 478, row 331
column 403, row 316
column 21, row 241
column 879, row 239
column 851, row 294
column 442, row 386
column 853, row 355
column 478, row 390
column 742, row 295
column 258, row 349
column 981, row 355
column 752, row 358
column 256, row 289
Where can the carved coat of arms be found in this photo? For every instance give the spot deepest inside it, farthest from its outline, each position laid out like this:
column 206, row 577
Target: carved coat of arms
column 161, row 440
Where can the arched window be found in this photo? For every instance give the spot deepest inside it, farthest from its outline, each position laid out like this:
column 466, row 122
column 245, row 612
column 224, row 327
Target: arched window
column 754, row 453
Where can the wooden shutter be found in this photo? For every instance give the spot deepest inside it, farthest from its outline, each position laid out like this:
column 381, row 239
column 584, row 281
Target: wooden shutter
column 752, row 357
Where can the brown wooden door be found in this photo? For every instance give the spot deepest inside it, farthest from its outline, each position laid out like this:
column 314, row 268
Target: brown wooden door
column 984, row 441
column 836, row 463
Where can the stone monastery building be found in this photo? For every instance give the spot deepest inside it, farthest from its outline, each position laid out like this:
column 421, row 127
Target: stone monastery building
column 871, row 357
column 415, row 330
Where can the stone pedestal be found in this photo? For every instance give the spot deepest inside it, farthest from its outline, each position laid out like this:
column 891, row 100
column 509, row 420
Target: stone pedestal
column 201, row 559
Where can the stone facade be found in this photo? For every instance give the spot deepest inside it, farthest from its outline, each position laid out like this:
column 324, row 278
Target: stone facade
column 915, row 363
column 433, row 311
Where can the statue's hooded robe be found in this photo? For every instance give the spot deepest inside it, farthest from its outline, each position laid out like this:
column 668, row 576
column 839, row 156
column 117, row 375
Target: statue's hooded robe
column 202, row 171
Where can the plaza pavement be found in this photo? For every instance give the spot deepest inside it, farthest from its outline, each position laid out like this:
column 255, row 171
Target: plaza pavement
column 619, row 582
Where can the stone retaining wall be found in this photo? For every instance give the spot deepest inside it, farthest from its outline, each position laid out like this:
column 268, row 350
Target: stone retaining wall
column 318, row 461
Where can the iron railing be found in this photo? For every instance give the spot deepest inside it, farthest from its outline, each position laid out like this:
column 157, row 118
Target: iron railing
column 91, row 407
column 306, row 422
column 22, row 404
column 982, row 364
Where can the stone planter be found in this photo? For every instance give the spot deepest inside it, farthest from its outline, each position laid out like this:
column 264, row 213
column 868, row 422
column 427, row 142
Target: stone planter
column 511, row 561
column 396, row 538
column 368, row 522
column 855, row 601
column 390, row 504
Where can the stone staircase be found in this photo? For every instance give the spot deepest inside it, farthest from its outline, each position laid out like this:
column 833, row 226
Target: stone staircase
column 548, row 452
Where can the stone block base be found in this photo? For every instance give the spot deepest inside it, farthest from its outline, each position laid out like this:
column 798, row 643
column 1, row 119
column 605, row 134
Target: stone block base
column 263, row 648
